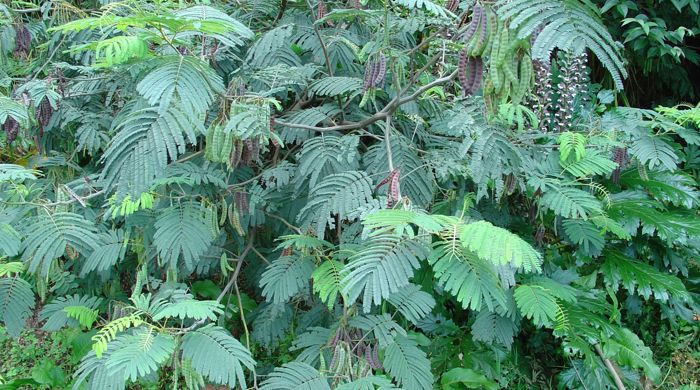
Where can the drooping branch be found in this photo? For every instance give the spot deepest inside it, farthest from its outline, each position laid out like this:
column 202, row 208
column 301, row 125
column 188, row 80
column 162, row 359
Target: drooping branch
column 389, row 109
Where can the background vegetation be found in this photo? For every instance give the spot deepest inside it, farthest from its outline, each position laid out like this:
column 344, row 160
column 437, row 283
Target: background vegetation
column 283, row 194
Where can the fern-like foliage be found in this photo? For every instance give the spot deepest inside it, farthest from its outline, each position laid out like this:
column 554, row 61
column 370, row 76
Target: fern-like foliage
column 570, row 142
column 139, row 353
column 327, row 279
column 10, row 240
column 94, row 374
column 462, row 273
column 286, row 277
column 145, row 141
column 566, row 25
column 111, row 248
column 311, row 344
column 629, row 350
column 16, row 173
column 337, row 195
column 674, row 188
column 182, row 232
column 335, row 86
column 326, row 155
column 189, row 308
column 48, row 236
column 11, row 108
column 211, row 22
column 408, row 365
column 413, row 303
column 586, row 234
column 182, row 81
column 541, row 301
column 57, row 312
column 490, row 327
column 655, row 151
column 416, row 178
column 16, row 303
column 217, row 356
column 295, row 376
column 499, row 246
column 571, row 202
column 620, row 270
column 381, row 326
column 384, row 267
column 110, row 330
column 590, row 164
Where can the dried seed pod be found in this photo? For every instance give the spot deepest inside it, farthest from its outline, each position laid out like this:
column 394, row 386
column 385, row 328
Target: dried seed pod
column 539, row 235
column 43, row 112
column 376, row 364
column 384, row 181
column 452, row 5
column 23, row 40
column 476, row 71
column 393, row 188
column 462, row 71
column 255, row 150
column 241, row 201
column 321, row 10
column 375, row 71
column 334, row 359
column 286, row 251
column 11, row 127
column 621, row 158
column 369, row 76
column 236, row 154
column 381, row 72
column 336, row 338
column 474, row 23
column 368, row 355
column 247, row 156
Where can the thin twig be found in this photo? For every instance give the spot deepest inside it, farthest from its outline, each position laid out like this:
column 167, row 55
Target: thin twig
column 611, row 367
column 386, row 111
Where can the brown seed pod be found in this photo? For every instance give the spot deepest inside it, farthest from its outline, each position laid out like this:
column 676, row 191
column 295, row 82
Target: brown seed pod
column 23, row 40
column 375, row 72
column 255, row 150
column 476, row 69
column 236, row 153
column 43, row 112
column 247, row 156
column 368, row 77
column 241, row 201
column 321, row 10
column 381, row 72
column 539, row 235
column 452, row 5
column 11, row 127
column 476, row 19
column 621, row 158
column 376, row 364
column 286, row 251
column 462, row 72
column 394, row 185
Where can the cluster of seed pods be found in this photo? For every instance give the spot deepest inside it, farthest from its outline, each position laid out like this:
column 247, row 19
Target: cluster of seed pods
column 621, row 158
column 375, row 73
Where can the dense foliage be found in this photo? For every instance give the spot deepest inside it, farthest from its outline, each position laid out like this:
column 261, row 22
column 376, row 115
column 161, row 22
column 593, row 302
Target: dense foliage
column 350, row 195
